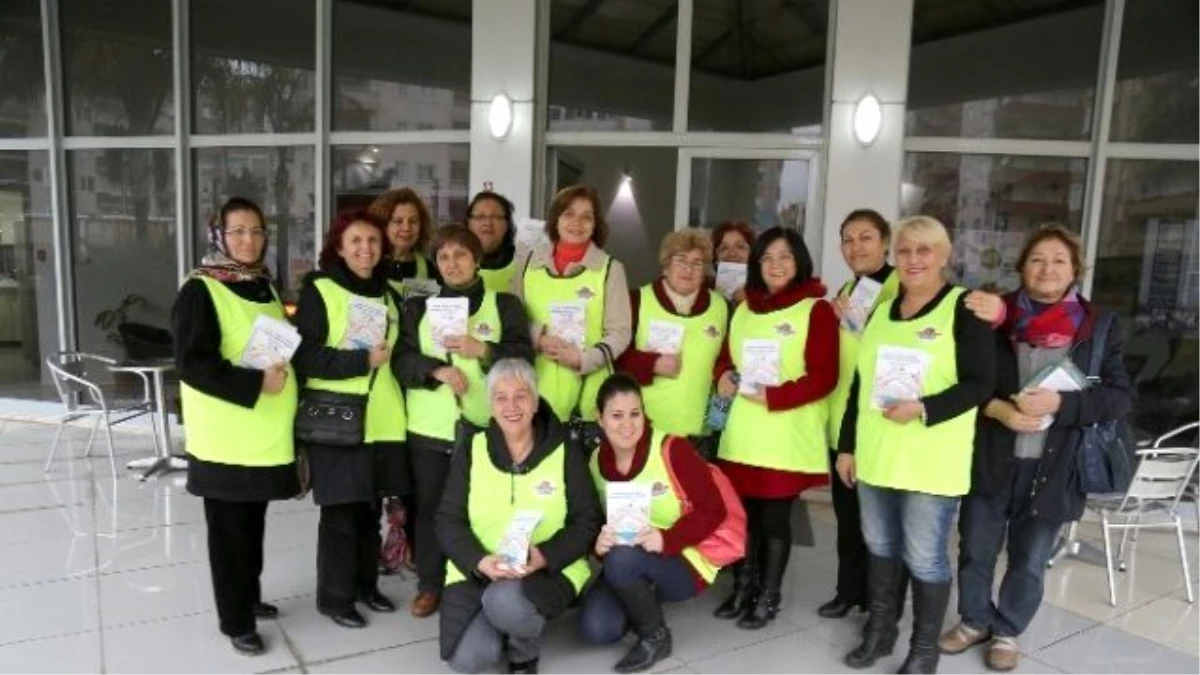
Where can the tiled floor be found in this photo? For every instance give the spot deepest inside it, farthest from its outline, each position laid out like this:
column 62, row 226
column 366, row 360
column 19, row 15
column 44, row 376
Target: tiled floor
column 104, row 574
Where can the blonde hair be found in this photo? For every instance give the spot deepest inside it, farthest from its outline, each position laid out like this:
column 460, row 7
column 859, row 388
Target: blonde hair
column 684, row 241
column 923, row 230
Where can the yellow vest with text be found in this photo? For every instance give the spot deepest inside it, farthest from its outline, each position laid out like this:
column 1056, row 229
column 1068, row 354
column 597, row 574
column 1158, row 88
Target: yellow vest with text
column 934, row 460
column 433, row 412
column 786, row 440
column 495, row 496
column 500, row 279
column 225, row 433
column 564, row 388
column 665, row 505
column 677, row 405
column 848, row 357
column 385, row 420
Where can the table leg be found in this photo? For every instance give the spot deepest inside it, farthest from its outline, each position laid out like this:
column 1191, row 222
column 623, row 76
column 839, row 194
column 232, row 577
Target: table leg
column 166, row 462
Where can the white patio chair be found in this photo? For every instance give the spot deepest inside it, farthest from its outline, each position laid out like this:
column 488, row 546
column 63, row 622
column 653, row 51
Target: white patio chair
column 84, row 385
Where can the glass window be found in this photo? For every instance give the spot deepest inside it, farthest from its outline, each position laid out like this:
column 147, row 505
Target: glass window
column 1146, row 270
column 762, row 192
column 1156, row 95
column 272, row 178
column 362, row 173
column 758, row 65
column 117, row 68
column 990, row 203
column 1004, row 70
column 383, row 76
column 612, row 65
column 637, row 188
column 122, row 240
column 28, row 282
column 253, row 65
column 22, row 77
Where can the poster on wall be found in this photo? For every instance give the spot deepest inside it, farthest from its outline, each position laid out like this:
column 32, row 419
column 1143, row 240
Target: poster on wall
column 986, row 259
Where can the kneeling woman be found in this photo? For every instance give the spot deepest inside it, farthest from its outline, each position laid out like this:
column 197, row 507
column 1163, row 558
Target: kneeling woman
column 517, row 470
column 662, row 563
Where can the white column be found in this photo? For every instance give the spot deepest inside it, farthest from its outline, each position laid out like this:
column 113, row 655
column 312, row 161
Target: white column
column 503, row 41
column 871, row 49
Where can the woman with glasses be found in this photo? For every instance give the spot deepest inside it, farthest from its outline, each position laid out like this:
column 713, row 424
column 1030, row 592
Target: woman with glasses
column 490, row 217
column 409, row 229
column 779, row 362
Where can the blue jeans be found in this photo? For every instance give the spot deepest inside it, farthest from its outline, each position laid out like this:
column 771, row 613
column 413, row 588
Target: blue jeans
column 912, row 526
column 985, row 521
column 602, row 618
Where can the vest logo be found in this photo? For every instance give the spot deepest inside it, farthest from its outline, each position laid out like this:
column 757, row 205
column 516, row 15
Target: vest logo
column 712, row 332
column 785, row 329
column 584, row 293
column 658, row 489
column 928, row 334
column 483, row 329
column 544, row 489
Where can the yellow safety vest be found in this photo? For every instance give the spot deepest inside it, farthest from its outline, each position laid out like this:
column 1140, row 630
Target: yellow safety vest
column 402, row 288
column 500, row 279
column 848, row 357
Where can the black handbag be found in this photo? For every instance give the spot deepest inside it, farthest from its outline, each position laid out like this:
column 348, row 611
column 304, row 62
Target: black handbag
column 331, row 418
column 1102, row 462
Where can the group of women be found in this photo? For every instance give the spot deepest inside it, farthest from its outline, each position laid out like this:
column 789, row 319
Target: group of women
column 505, row 436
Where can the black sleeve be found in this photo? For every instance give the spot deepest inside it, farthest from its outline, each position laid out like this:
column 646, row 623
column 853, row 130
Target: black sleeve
column 454, row 533
column 415, row 369
column 975, row 355
column 584, row 516
column 515, row 342
column 847, row 436
column 1111, row 398
column 313, row 358
column 197, row 335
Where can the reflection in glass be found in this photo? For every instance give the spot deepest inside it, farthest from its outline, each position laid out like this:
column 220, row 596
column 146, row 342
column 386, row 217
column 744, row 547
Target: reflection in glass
column 383, row 78
column 280, row 181
column 1156, row 95
column 437, row 171
column 761, row 192
column 123, row 225
column 22, row 79
column 117, row 72
column 255, row 73
column 990, row 203
column 28, row 284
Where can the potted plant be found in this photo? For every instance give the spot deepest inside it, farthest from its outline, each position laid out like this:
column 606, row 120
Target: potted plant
column 110, row 320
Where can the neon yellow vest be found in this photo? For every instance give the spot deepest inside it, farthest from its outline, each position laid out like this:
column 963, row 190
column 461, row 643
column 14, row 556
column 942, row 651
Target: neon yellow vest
column 433, row 412
column 400, row 287
column 495, row 496
column 500, row 279
column 677, row 405
column 787, row 440
column 224, row 433
column 934, row 460
column 848, row 357
column 665, row 505
column 564, row 388
column 385, row 405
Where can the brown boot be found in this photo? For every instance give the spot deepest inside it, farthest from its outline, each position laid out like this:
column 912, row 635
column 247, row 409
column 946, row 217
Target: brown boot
column 1003, row 654
column 961, row 638
column 425, row 604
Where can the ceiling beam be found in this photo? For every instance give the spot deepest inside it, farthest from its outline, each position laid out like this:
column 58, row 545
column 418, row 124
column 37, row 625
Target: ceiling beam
column 665, row 19
column 770, row 53
column 714, row 46
column 808, row 15
column 579, row 17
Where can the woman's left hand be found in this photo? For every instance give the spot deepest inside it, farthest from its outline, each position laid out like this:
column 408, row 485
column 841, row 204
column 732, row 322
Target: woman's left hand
column 569, row 355
column 464, row 346
column 904, row 412
column 1038, row 402
column 986, row 306
column 650, row 539
column 759, row 396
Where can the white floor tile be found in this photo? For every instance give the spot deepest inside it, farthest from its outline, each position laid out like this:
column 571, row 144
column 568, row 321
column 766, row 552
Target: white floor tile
column 48, row 610
column 1169, row 621
column 47, row 558
column 44, row 495
column 564, row 652
column 191, row 644
column 1105, row 649
column 421, row 657
column 78, row 653
column 794, row 652
column 317, row 638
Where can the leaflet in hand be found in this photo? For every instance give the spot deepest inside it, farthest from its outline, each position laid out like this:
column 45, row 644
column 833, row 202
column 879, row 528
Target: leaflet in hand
column 366, row 323
column 760, row 365
column 419, row 288
column 628, row 509
column 514, row 547
column 447, row 318
column 730, row 277
column 861, row 300
column 899, row 375
column 664, row 337
column 1061, row 376
column 271, row 341
column 568, row 322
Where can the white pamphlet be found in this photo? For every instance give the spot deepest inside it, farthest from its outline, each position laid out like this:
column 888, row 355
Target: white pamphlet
column 627, row 506
column 861, row 300
column 568, row 322
column 271, row 341
column 447, row 318
column 366, row 323
column 760, row 365
column 420, row 288
column 1061, row 376
column 730, row 277
column 664, row 337
column 899, row 375
column 514, row 547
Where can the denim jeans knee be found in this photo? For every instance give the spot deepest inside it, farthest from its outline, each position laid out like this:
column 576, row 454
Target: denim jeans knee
column 927, row 520
column 881, row 527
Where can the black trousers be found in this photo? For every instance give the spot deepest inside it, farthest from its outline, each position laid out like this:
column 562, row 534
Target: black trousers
column 348, row 542
column 851, row 549
column 769, row 518
column 429, row 470
column 235, row 558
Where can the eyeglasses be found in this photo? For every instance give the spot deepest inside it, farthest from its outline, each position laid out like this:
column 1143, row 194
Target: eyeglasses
column 770, row 260
column 498, row 217
column 253, row 232
column 693, row 265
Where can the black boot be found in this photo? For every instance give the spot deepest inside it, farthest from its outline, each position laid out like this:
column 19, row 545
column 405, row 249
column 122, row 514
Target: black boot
column 646, row 616
column 879, row 635
column 775, row 556
column 929, row 609
column 902, row 592
column 745, row 587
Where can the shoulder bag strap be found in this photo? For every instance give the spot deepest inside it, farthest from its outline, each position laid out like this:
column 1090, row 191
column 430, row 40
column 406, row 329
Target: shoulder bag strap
column 1099, row 344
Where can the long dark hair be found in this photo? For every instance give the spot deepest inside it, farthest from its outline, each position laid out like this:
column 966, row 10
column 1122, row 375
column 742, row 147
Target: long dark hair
column 795, row 243
column 333, row 239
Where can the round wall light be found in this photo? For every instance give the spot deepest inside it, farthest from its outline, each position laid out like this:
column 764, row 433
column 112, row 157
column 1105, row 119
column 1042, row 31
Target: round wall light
column 868, row 118
column 500, row 116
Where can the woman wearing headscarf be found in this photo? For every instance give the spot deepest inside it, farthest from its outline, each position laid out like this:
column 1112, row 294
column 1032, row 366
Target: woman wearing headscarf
column 239, row 430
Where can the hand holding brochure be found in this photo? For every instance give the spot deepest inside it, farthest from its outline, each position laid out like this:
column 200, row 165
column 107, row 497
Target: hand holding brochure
column 730, row 277
column 1061, row 376
column 568, row 322
column 628, row 509
column 514, row 548
column 447, row 318
column 760, row 365
column 414, row 288
column 861, row 300
column 664, row 337
column 899, row 375
column 271, row 341
column 366, row 323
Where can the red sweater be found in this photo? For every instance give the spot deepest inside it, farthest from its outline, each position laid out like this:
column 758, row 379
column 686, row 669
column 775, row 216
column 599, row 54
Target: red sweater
column 695, row 480
column 639, row 364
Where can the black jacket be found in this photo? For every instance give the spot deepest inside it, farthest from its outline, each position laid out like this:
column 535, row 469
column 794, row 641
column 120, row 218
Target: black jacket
column 1056, row 495
column 548, row 589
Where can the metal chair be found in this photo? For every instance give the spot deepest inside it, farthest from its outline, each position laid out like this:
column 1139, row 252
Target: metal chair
column 83, row 395
column 1193, row 489
column 1152, row 501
